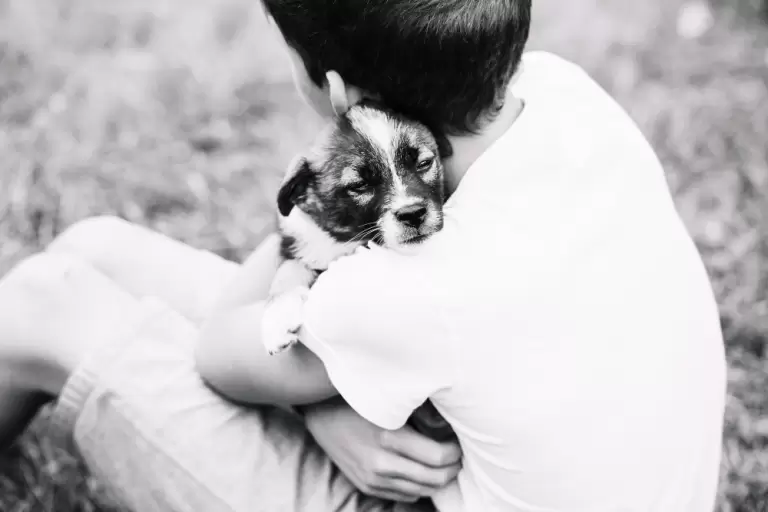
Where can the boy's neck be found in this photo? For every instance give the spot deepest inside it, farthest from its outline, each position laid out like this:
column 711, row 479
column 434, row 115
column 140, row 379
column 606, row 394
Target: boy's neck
column 468, row 148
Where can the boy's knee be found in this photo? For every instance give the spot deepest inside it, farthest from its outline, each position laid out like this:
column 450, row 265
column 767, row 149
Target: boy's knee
column 89, row 238
column 43, row 269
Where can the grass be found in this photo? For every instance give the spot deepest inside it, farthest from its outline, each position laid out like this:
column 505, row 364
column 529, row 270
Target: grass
column 180, row 115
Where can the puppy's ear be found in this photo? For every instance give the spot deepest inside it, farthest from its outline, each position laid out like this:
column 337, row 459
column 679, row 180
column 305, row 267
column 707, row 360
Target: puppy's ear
column 295, row 187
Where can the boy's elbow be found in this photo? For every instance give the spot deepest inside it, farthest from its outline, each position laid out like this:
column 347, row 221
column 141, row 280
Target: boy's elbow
column 243, row 372
column 220, row 365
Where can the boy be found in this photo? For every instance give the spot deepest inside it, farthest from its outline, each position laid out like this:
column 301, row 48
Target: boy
column 562, row 321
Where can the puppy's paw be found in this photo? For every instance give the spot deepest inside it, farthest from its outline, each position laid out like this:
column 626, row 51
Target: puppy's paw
column 282, row 320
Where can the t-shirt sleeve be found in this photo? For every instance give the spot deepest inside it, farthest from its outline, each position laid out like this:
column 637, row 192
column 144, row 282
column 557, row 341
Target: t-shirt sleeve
column 370, row 320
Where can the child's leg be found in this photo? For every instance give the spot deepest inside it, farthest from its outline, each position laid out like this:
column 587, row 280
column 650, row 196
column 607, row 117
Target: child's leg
column 142, row 262
column 147, row 263
column 141, row 417
column 40, row 337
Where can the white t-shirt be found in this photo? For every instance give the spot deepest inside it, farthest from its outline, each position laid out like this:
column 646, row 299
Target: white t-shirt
column 562, row 321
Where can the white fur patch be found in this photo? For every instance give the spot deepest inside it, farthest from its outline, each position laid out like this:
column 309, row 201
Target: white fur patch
column 364, row 198
column 399, row 202
column 397, row 184
column 380, row 129
column 348, row 176
column 314, row 246
column 391, row 230
column 282, row 320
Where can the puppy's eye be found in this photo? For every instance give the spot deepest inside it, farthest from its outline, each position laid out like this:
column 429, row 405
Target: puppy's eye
column 365, row 173
column 360, row 187
column 425, row 165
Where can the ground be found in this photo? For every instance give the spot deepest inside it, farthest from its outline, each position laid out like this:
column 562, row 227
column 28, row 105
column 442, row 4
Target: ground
column 180, row 115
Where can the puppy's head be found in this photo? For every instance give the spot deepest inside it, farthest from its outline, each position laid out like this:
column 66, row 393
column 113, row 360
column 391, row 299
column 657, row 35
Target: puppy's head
column 373, row 175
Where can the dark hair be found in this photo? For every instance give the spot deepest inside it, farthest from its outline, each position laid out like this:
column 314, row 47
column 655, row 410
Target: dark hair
column 446, row 63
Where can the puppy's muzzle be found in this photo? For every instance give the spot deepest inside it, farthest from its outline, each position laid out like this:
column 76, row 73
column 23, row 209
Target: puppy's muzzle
column 412, row 215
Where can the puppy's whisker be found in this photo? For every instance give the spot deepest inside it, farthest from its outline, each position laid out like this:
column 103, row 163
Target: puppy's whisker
column 366, row 232
column 372, row 227
column 374, row 224
column 360, row 236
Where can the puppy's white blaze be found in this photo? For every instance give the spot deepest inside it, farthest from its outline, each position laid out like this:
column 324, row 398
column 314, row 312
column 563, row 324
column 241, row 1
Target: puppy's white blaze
column 401, row 201
column 378, row 128
column 397, row 182
column 313, row 245
column 382, row 132
column 399, row 197
column 391, row 230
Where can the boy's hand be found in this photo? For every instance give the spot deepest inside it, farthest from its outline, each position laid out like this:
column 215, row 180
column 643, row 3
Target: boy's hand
column 399, row 465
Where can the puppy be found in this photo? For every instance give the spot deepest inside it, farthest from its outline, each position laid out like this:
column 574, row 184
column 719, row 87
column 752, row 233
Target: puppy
column 373, row 176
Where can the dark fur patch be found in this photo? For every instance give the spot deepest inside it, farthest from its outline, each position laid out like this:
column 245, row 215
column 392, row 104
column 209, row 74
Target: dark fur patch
column 296, row 189
column 288, row 247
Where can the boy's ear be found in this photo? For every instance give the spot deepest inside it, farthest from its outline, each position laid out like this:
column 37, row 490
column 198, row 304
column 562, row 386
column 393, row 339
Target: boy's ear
column 295, row 186
column 343, row 95
column 337, row 92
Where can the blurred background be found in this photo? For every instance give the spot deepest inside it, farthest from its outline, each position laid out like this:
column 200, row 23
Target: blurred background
column 180, row 115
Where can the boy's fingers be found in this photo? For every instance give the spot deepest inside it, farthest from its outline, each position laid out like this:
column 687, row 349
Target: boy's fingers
column 405, row 490
column 421, row 449
column 423, row 479
column 393, row 496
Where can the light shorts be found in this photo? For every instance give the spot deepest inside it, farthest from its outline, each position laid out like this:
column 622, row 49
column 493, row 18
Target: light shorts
column 160, row 440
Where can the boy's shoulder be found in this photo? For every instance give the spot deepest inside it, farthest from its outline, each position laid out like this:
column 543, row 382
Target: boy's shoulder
column 547, row 58
column 565, row 100
column 538, row 65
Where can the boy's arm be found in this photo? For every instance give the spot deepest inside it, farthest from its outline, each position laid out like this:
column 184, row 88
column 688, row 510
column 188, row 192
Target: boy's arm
column 384, row 352
column 232, row 359
column 230, row 356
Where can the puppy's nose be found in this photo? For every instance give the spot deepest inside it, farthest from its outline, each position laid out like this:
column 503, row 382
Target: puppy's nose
column 413, row 215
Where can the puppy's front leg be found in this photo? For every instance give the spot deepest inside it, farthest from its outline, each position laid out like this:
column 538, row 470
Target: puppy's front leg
column 283, row 311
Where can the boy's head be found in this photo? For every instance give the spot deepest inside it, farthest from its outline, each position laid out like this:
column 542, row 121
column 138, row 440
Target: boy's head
column 446, row 63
